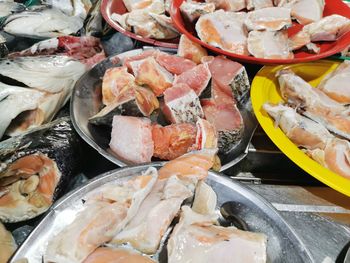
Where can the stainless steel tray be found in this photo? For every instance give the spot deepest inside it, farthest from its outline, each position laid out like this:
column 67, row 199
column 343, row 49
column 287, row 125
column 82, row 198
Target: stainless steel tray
column 86, row 101
column 283, row 243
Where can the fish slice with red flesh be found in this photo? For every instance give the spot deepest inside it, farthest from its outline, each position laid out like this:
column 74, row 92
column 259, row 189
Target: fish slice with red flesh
column 148, row 72
column 173, row 140
column 131, row 139
column 174, row 64
column 196, row 78
column 191, row 50
column 181, row 104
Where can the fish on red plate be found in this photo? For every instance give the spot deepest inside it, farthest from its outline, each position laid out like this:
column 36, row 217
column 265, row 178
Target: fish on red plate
column 191, row 50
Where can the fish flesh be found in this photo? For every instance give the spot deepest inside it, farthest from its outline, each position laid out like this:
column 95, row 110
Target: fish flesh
column 131, row 139
column 78, row 8
column 196, row 239
column 329, row 28
column 105, row 213
column 196, row 78
column 191, row 50
column 207, row 137
column 86, row 49
column 7, row 244
column 42, row 23
column 193, row 10
column 315, row 104
column 161, row 206
column 270, row 18
column 181, row 104
column 116, row 255
column 336, row 84
column 164, row 21
column 307, row 11
column 205, row 199
column 174, row 64
column 36, row 168
column 174, row 140
column 229, row 5
column 9, row 7
column 132, row 5
column 145, row 54
column 224, row 30
column 269, row 44
column 148, row 72
column 258, row 4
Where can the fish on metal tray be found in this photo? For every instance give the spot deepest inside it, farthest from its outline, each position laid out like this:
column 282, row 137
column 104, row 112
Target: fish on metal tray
column 35, row 169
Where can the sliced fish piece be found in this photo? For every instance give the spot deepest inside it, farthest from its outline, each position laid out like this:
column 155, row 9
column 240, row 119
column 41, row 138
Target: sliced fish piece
column 258, row 4
column 300, row 130
column 100, row 220
column 46, row 73
column 42, row 23
column 270, row 18
column 196, row 239
column 116, row 255
column 196, row 78
column 269, row 44
column 193, row 165
column 193, row 10
column 161, row 206
column 207, row 137
column 315, row 104
column 336, row 84
column 7, row 244
column 181, row 104
column 131, row 139
column 146, row 101
column 154, row 6
column 145, row 54
column 174, row 140
column 191, row 50
column 164, row 21
column 224, row 30
column 229, row 5
column 308, row 11
column 329, row 28
column 299, row 40
column 205, row 199
column 174, row 64
column 149, row 72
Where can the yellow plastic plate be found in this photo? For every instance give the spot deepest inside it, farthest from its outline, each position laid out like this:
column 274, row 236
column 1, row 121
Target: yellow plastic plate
column 265, row 88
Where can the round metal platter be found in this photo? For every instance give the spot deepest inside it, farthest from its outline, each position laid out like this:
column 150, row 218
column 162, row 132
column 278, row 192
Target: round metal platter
column 86, row 101
column 283, row 244
column 327, row 48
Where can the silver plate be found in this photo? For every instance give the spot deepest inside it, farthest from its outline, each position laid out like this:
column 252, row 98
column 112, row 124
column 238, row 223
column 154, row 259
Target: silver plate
column 86, row 101
column 283, row 243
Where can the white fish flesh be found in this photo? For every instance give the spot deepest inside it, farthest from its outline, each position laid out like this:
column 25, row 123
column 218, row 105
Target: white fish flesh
column 193, row 10
column 258, row 4
column 229, row 5
column 191, row 50
column 224, row 30
column 269, row 44
column 204, row 200
column 207, row 136
column 161, row 206
column 47, row 73
column 196, row 239
column 106, row 211
column 7, row 244
column 336, row 84
column 164, row 21
column 270, row 18
column 78, row 8
column 154, row 6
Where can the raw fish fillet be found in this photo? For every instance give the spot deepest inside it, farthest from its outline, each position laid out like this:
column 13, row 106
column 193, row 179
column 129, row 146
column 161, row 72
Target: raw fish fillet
column 229, row 5
column 116, row 255
column 207, row 137
column 145, row 54
column 131, row 139
column 258, row 4
column 164, row 21
column 174, row 64
column 7, row 244
column 190, row 50
column 100, row 220
column 269, row 44
column 146, row 101
column 181, row 104
column 174, row 140
column 336, row 84
column 196, row 78
column 160, row 206
column 315, row 104
column 307, row 11
column 117, row 84
column 193, row 10
column 154, row 6
column 196, row 239
column 205, row 199
column 193, row 165
column 149, row 72
column 270, row 18
column 299, row 40
column 224, row 30
column 329, row 28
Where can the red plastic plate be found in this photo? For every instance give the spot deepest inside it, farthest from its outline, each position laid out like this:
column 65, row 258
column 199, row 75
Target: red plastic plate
column 327, row 48
column 108, row 7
